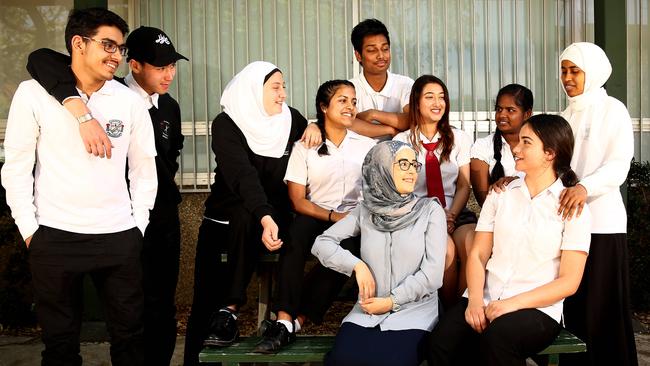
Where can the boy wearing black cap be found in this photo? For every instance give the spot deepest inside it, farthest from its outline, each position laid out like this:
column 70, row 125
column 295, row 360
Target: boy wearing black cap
column 152, row 60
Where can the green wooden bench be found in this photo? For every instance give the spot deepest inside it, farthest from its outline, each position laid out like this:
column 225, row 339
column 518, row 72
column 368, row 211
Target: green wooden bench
column 314, row 348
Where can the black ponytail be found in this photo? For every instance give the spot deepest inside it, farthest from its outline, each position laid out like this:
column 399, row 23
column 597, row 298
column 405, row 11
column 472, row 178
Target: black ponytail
column 497, row 172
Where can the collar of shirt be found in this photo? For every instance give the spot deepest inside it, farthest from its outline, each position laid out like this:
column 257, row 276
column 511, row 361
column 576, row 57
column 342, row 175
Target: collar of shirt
column 150, row 100
column 348, row 136
column 425, row 140
column 385, row 91
column 555, row 189
column 106, row 89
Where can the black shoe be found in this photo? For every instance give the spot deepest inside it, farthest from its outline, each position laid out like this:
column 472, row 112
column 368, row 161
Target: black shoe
column 223, row 329
column 275, row 336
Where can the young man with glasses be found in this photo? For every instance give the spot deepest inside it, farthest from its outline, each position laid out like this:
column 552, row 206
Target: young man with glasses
column 76, row 212
column 152, row 59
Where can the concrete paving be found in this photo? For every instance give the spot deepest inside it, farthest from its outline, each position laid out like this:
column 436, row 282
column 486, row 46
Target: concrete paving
column 26, row 351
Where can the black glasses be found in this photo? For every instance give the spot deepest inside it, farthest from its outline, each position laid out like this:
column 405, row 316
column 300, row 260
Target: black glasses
column 405, row 165
column 109, row 46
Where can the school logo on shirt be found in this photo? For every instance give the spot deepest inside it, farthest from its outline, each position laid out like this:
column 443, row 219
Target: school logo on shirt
column 114, row 128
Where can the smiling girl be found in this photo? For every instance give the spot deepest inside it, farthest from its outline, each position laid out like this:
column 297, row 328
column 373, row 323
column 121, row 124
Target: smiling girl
column 524, row 261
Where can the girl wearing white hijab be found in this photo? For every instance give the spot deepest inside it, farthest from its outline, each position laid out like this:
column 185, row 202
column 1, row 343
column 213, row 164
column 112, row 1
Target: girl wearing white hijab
column 403, row 246
column 599, row 312
column 252, row 140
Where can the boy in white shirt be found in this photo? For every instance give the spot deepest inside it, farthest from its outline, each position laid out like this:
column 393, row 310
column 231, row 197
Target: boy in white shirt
column 382, row 97
column 76, row 213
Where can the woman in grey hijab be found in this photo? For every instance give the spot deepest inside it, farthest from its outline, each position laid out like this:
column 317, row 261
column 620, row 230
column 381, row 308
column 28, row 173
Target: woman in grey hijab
column 403, row 245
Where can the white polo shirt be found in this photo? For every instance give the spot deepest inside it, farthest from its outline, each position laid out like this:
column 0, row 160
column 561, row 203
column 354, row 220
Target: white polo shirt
column 72, row 190
column 529, row 237
column 483, row 149
column 449, row 169
column 392, row 98
column 333, row 181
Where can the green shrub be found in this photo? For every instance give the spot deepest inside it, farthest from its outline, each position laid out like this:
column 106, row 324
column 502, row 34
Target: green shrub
column 15, row 279
column 638, row 237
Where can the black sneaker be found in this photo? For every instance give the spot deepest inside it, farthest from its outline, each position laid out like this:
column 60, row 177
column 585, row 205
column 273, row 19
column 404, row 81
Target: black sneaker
column 275, row 336
column 223, row 329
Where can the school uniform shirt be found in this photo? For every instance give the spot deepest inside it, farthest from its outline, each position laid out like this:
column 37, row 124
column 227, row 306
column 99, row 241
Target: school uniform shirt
column 483, row 149
column 458, row 157
column 410, row 268
column 392, row 98
column 333, row 181
column 73, row 190
column 529, row 237
column 603, row 150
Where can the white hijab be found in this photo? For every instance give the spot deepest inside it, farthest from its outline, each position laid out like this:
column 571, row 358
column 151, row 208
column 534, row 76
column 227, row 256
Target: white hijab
column 243, row 101
column 593, row 61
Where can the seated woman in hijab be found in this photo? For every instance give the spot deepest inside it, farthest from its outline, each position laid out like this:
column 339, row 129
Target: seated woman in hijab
column 599, row 313
column 252, row 140
column 403, row 246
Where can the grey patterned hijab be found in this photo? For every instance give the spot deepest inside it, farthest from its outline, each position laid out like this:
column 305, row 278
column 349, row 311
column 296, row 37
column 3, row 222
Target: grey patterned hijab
column 389, row 210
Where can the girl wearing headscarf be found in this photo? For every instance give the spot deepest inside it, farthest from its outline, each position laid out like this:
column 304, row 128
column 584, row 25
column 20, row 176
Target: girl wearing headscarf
column 252, row 140
column 403, row 245
column 492, row 155
column 324, row 186
column 524, row 261
column 599, row 312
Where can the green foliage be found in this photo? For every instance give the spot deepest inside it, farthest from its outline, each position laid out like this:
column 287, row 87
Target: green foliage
column 638, row 237
column 15, row 279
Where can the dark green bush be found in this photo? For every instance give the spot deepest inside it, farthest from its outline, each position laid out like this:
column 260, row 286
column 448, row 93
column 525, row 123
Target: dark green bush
column 15, row 279
column 638, row 237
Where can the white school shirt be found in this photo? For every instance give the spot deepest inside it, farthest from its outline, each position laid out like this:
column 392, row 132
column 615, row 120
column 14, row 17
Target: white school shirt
column 448, row 169
column 333, row 181
column 528, row 240
column 483, row 149
column 73, row 190
column 392, row 98
column 150, row 100
column 603, row 150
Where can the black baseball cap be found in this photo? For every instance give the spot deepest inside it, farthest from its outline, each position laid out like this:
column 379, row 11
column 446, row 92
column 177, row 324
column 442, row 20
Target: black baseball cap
column 151, row 45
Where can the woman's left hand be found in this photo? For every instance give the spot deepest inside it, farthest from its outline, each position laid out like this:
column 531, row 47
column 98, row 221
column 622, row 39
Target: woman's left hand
column 572, row 200
column 377, row 305
column 499, row 307
column 451, row 222
column 312, row 136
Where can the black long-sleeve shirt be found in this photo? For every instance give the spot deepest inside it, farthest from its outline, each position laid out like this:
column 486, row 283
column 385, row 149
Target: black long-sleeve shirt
column 245, row 179
column 52, row 70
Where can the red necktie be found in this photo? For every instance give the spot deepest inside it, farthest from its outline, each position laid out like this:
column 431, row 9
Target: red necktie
column 434, row 177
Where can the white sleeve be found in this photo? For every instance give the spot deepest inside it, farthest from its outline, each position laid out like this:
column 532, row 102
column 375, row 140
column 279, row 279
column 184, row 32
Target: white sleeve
column 406, row 92
column 577, row 232
column 489, row 212
column 142, row 166
column 297, row 166
column 482, row 150
column 20, row 155
column 464, row 144
column 620, row 151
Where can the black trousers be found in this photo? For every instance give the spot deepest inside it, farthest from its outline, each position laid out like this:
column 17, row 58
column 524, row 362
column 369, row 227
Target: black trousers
column 160, row 262
column 218, row 284
column 508, row 340
column 313, row 296
column 355, row 345
column 59, row 261
column 599, row 312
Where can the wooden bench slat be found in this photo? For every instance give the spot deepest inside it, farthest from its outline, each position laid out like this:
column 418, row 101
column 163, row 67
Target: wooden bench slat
column 565, row 343
column 305, row 349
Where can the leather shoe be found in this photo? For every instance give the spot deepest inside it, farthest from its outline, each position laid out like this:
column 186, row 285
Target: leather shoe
column 275, row 336
column 223, row 330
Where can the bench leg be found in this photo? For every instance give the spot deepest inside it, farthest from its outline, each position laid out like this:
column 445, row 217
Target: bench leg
column 264, row 280
column 553, row 360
